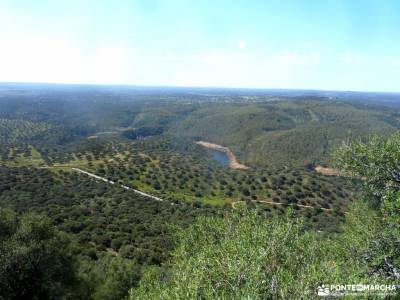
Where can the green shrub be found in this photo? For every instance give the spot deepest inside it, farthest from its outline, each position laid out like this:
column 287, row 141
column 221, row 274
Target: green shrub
column 245, row 256
column 35, row 262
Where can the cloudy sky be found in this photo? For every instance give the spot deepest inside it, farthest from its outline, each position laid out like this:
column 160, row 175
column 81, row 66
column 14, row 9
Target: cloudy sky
column 330, row 44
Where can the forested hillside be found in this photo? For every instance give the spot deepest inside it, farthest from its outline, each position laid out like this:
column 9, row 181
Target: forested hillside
column 263, row 130
column 106, row 234
column 243, row 256
column 112, row 233
column 286, row 133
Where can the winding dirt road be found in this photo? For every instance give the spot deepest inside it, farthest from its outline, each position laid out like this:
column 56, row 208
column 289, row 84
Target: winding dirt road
column 283, row 204
column 233, row 204
column 159, row 199
column 112, row 182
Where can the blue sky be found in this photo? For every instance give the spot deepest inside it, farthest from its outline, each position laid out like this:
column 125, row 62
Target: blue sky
column 337, row 45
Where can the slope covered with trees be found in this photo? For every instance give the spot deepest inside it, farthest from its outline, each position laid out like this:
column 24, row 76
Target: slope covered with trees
column 286, row 132
column 243, row 256
column 108, row 238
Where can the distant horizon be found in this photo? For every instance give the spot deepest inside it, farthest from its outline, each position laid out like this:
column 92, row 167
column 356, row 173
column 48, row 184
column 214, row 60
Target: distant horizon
column 194, row 87
column 335, row 45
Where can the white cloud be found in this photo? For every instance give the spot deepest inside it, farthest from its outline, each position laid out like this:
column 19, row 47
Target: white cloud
column 60, row 58
column 369, row 61
column 222, row 57
column 247, row 69
column 392, row 61
column 44, row 58
column 292, row 59
column 38, row 58
column 111, row 65
column 351, row 58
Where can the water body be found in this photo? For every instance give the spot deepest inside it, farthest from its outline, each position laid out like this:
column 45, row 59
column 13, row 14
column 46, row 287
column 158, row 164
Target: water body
column 220, row 157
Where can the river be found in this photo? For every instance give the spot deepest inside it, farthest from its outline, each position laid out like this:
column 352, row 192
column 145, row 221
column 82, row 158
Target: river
column 220, row 157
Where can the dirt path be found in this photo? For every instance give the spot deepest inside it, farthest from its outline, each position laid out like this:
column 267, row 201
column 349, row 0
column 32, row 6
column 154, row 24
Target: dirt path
column 326, row 171
column 121, row 185
column 102, row 179
column 233, row 204
column 293, row 204
column 233, row 163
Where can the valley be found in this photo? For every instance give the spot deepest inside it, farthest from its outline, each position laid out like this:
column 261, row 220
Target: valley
column 199, row 150
column 120, row 172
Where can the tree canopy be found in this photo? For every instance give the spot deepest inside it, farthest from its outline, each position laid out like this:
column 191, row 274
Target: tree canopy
column 242, row 255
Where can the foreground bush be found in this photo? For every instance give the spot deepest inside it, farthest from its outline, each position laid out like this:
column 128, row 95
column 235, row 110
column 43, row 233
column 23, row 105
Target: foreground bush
column 35, row 262
column 245, row 256
column 376, row 163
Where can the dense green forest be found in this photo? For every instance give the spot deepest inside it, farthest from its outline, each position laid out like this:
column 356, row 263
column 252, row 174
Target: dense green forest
column 243, row 256
column 97, row 238
column 286, row 132
column 262, row 131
